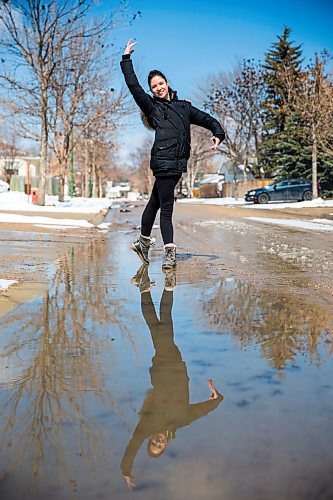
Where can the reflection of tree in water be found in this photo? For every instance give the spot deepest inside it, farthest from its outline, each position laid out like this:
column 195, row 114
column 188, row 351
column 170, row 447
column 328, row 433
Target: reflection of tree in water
column 281, row 324
column 59, row 347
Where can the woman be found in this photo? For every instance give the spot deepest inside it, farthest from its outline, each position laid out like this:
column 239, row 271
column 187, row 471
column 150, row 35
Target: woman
column 171, row 119
column 167, row 406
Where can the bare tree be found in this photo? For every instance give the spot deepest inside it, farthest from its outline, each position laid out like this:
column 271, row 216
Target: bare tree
column 200, row 153
column 315, row 102
column 142, row 177
column 278, row 333
column 51, row 385
column 86, row 107
column 236, row 99
column 8, row 151
column 33, row 35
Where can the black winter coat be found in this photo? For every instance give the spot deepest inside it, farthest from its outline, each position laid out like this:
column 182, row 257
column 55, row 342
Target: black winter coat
column 171, row 121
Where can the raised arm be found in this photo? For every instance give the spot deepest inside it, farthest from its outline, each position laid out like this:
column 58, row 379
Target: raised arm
column 143, row 100
column 203, row 119
column 131, row 451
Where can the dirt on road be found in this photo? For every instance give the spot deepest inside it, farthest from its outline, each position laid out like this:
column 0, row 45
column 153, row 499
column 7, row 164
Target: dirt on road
column 211, row 240
column 224, row 241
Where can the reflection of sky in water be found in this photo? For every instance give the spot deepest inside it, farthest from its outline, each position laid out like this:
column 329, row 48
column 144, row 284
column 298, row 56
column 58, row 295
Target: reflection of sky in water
column 75, row 374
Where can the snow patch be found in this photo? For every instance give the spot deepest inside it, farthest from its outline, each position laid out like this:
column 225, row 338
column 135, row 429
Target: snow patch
column 277, row 205
column 18, row 202
column 104, row 225
column 61, row 228
column 297, row 224
column 318, row 202
column 4, row 284
column 27, row 219
column 323, row 221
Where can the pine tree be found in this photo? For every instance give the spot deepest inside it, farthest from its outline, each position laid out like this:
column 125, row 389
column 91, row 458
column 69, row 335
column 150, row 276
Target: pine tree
column 284, row 148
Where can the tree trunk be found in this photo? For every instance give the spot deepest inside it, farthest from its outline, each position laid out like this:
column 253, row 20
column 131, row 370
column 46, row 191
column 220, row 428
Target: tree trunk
column 83, row 185
column 235, row 190
column 314, row 163
column 43, row 149
column 245, row 169
column 61, row 191
column 86, row 170
column 94, row 179
column 191, row 175
column 256, row 145
column 100, row 184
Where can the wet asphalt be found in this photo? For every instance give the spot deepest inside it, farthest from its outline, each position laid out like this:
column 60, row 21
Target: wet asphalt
column 112, row 356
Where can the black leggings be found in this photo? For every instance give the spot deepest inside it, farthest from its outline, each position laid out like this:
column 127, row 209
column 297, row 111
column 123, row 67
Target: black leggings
column 162, row 197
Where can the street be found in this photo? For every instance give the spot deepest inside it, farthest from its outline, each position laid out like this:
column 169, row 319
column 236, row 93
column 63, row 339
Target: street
column 92, row 370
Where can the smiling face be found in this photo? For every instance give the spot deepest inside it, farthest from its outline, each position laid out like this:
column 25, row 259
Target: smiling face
column 159, row 87
column 157, row 445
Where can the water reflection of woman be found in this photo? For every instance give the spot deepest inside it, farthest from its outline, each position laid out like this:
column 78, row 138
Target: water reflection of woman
column 167, row 406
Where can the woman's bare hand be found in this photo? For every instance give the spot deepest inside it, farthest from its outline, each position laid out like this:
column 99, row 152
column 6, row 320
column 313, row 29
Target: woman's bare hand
column 216, row 142
column 129, row 47
column 215, row 392
column 130, row 481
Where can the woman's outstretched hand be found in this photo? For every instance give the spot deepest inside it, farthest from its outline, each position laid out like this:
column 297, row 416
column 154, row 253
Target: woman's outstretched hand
column 129, row 47
column 215, row 392
column 130, row 481
column 216, row 142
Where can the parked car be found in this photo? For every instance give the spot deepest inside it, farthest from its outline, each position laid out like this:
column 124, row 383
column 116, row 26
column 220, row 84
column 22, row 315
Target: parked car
column 282, row 190
column 4, row 186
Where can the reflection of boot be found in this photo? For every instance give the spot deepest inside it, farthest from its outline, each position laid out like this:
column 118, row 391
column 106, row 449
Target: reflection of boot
column 141, row 247
column 170, row 257
column 170, row 280
column 141, row 279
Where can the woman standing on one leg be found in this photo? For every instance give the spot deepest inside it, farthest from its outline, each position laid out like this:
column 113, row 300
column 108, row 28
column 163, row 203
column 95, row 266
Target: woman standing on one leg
column 171, row 119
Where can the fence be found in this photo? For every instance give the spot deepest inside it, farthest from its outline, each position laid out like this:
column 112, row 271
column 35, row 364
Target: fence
column 238, row 189
column 19, row 183
column 230, row 189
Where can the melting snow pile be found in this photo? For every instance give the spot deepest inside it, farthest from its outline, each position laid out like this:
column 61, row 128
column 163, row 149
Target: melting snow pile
column 4, row 284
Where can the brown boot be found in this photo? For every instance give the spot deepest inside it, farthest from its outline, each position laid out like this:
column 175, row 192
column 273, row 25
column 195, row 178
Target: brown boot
column 142, row 280
column 170, row 257
column 141, row 247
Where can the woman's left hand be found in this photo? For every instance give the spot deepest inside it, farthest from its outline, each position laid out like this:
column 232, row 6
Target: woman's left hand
column 129, row 47
column 216, row 142
column 215, row 392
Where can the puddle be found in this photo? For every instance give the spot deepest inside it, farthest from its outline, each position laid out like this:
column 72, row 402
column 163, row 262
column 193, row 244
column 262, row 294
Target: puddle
column 103, row 388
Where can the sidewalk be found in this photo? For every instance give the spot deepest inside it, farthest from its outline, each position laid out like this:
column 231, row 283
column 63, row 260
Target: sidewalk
column 15, row 208
column 33, row 238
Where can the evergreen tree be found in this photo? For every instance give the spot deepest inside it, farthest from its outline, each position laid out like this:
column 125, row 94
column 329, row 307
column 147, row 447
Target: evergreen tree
column 284, row 146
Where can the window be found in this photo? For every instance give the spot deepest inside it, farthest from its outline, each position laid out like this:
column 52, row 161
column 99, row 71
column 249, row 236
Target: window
column 282, row 183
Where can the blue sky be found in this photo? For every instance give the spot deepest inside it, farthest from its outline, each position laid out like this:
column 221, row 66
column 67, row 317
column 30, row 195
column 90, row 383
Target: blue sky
column 189, row 40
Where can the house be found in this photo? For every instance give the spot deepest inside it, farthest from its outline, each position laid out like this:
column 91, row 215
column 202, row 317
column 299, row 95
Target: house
column 120, row 189
column 235, row 173
column 18, row 165
column 211, row 178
